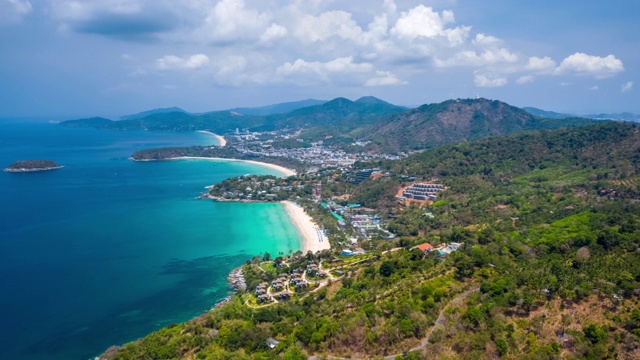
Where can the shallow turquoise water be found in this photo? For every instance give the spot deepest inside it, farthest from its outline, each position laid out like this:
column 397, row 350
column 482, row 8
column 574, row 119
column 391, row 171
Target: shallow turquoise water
column 106, row 250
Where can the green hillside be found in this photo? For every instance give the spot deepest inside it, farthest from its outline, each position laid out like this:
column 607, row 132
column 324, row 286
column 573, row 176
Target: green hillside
column 459, row 120
column 548, row 267
column 340, row 122
column 338, row 114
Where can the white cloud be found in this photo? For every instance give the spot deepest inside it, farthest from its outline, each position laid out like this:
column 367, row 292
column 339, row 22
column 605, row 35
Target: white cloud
column 419, row 21
column 230, row 20
column 584, row 64
column 13, row 11
column 544, row 65
column 383, row 78
column 343, row 71
column 274, row 31
column 628, row 86
column 339, row 65
column 172, row 62
column 594, row 88
column 484, row 81
column 474, row 59
column 390, row 6
column 483, row 40
column 326, row 25
column 257, row 42
column 525, row 79
column 423, row 22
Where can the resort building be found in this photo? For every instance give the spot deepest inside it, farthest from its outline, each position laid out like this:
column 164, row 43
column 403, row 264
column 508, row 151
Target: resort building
column 425, row 247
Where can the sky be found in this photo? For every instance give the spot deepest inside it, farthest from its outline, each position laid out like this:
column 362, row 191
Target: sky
column 114, row 57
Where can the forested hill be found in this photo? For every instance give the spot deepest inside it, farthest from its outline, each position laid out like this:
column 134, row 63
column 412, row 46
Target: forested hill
column 390, row 128
column 548, row 266
column 609, row 150
column 459, row 120
column 341, row 113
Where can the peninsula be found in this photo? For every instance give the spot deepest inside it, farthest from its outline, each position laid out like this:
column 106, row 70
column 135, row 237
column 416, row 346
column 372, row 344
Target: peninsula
column 32, row 165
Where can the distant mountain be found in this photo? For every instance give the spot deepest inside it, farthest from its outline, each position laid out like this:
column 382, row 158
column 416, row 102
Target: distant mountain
column 546, row 114
column 144, row 114
column 282, row 108
column 97, row 122
column 459, row 120
column 625, row 116
column 342, row 121
column 340, row 112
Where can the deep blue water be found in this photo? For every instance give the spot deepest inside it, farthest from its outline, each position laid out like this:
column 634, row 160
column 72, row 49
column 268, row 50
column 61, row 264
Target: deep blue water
column 105, row 250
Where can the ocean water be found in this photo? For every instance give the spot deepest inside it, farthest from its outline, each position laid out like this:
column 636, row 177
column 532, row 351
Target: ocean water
column 106, row 250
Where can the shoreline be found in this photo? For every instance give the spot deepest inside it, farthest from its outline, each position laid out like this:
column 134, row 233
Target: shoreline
column 311, row 237
column 285, row 172
column 22, row 170
column 222, row 141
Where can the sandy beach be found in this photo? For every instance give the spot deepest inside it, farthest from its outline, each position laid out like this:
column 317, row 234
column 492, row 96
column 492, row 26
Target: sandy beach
column 222, row 141
column 281, row 169
column 312, row 237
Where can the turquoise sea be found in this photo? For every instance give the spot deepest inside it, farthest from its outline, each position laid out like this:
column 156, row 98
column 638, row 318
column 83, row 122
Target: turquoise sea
column 106, row 250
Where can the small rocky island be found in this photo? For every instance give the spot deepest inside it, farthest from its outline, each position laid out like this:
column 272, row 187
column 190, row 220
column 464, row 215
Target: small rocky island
column 32, row 165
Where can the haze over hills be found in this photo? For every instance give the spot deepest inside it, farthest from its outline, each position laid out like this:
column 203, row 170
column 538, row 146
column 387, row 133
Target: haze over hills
column 545, row 113
column 338, row 112
column 342, row 121
column 281, row 108
column 624, row 116
column 144, row 114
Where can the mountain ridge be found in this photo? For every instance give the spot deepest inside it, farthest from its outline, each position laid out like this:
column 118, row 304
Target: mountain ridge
column 459, row 120
column 341, row 121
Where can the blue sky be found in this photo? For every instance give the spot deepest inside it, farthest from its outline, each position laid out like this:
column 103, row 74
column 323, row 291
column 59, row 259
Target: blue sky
column 114, row 57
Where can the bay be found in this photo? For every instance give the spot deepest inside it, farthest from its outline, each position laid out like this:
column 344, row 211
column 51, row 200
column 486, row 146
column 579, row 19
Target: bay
column 105, row 250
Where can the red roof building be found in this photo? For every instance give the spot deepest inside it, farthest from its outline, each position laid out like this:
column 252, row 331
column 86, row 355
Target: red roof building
column 425, row 247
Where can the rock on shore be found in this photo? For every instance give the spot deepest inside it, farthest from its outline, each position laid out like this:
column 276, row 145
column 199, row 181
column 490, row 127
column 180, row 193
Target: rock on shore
column 236, row 280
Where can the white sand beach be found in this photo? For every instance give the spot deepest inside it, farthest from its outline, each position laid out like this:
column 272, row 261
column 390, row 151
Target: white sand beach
column 281, row 169
column 313, row 239
column 221, row 139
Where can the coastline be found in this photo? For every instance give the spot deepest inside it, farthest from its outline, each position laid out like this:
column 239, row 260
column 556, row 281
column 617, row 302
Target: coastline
column 283, row 170
column 22, row 170
column 221, row 140
column 312, row 238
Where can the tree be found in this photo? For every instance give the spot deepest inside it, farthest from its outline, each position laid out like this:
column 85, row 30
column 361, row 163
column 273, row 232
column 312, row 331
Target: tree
column 502, row 346
column 266, row 256
column 387, row 268
column 594, row 333
column 294, row 354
